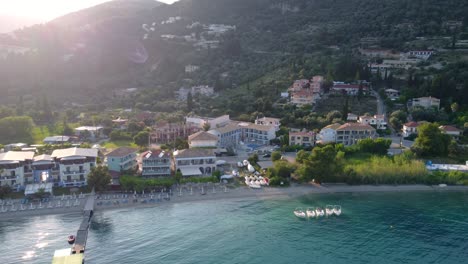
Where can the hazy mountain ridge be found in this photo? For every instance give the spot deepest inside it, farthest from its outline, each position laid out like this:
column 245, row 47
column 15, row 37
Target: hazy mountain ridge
column 104, row 46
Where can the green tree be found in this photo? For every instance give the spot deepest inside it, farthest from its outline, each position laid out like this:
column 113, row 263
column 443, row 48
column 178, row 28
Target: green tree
column 99, row 178
column 276, row 155
column 141, row 139
column 324, row 164
column 189, row 102
column 206, row 127
column 454, row 107
column 4, row 191
column 431, row 141
column 302, row 156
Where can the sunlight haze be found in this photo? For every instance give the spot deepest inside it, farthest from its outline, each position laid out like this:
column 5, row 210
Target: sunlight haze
column 46, row 10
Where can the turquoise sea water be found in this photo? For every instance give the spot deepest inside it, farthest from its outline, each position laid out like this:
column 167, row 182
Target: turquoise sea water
column 427, row 227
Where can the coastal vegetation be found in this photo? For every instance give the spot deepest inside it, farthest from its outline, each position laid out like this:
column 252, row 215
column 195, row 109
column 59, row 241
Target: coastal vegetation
column 99, row 178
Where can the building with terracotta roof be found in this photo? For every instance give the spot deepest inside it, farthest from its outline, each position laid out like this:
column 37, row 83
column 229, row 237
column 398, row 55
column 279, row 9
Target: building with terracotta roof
column 349, row 133
column 195, row 162
column 202, row 139
column 303, row 138
column 122, row 159
column 451, row 130
column 302, row 97
column 155, row 163
column 164, row 132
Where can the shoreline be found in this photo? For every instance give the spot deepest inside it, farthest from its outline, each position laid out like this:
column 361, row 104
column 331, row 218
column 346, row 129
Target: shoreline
column 236, row 193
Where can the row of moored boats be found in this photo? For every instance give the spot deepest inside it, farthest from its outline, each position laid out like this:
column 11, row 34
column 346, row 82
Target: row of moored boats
column 317, row 211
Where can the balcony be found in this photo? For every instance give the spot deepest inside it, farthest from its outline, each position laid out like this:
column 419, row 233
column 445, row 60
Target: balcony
column 74, row 172
column 7, row 178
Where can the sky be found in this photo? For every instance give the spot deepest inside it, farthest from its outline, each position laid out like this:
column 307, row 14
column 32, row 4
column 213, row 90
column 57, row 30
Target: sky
column 45, row 10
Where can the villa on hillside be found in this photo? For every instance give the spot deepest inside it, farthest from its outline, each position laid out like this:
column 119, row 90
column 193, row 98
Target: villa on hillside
column 392, row 93
column 351, row 133
column 451, row 131
column 349, row 89
column 94, row 132
column 302, row 138
column 378, row 121
column 194, row 162
column 352, row 117
column 305, row 92
column 56, row 140
column 202, row 139
column 155, row 163
column 200, row 122
column 426, row 102
column 410, row 128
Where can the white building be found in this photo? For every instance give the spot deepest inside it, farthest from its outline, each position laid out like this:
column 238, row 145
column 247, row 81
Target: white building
column 269, row 121
column 410, row 128
column 378, row 121
column 232, row 134
column 56, row 140
column 328, row 134
column 191, row 68
column 426, row 102
column 202, row 139
column 75, row 165
column 200, row 122
column 352, row 117
column 392, row 93
column 195, row 162
column 15, row 168
column 95, row 132
column 451, row 131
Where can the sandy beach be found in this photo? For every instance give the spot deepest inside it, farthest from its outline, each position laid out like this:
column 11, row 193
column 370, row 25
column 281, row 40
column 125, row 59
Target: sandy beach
column 195, row 193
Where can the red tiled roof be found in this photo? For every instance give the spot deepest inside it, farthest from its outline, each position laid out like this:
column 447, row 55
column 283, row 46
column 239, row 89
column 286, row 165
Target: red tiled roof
column 412, row 124
column 302, row 134
column 355, row 126
column 450, row 129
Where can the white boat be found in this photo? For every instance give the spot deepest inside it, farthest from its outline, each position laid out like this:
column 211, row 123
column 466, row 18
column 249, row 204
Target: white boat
column 299, row 213
column 329, row 210
column 319, row 211
column 310, row 212
column 337, row 210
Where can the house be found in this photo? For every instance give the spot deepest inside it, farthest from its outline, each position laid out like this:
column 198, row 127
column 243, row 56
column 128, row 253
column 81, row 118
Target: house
column 420, row 54
column 298, row 85
column 426, row 102
column 232, row 134
column 349, row 89
column 302, row 97
column 89, row 132
column 303, row 138
column 191, row 68
column 164, row 132
column 74, row 164
column 392, row 93
column 56, row 140
column 155, row 163
column 120, row 123
column 349, row 133
column 410, row 128
column 201, row 122
column 328, row 134
column 352, row 117
column 202, row 139
column 195, row 162
column 269, row 121
column 15, row 146
column 121, row 159
column 377, row 121
column 45, row 170
column 379, row 53
column 15, row 168
column 451, row 130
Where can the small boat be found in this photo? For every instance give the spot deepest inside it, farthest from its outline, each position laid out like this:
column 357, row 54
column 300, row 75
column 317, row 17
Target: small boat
column 319, row 211
column 299, row 213
column 255, row 186
column 337, row 210
column 329, row 210
column 71, row 239
column 310, row 212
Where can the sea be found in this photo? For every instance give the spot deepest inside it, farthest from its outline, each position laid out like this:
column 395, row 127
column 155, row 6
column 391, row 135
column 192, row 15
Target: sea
column 406, row 227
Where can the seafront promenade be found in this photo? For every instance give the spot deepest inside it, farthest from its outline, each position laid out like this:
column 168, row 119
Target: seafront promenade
column 197, row 193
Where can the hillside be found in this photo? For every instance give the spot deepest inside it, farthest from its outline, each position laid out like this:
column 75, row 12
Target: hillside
column 87, row 55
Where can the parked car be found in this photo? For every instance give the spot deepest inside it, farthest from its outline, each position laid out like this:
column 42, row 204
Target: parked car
column 267, row 155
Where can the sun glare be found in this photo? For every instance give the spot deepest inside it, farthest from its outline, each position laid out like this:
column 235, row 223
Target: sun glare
column 47, row 9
